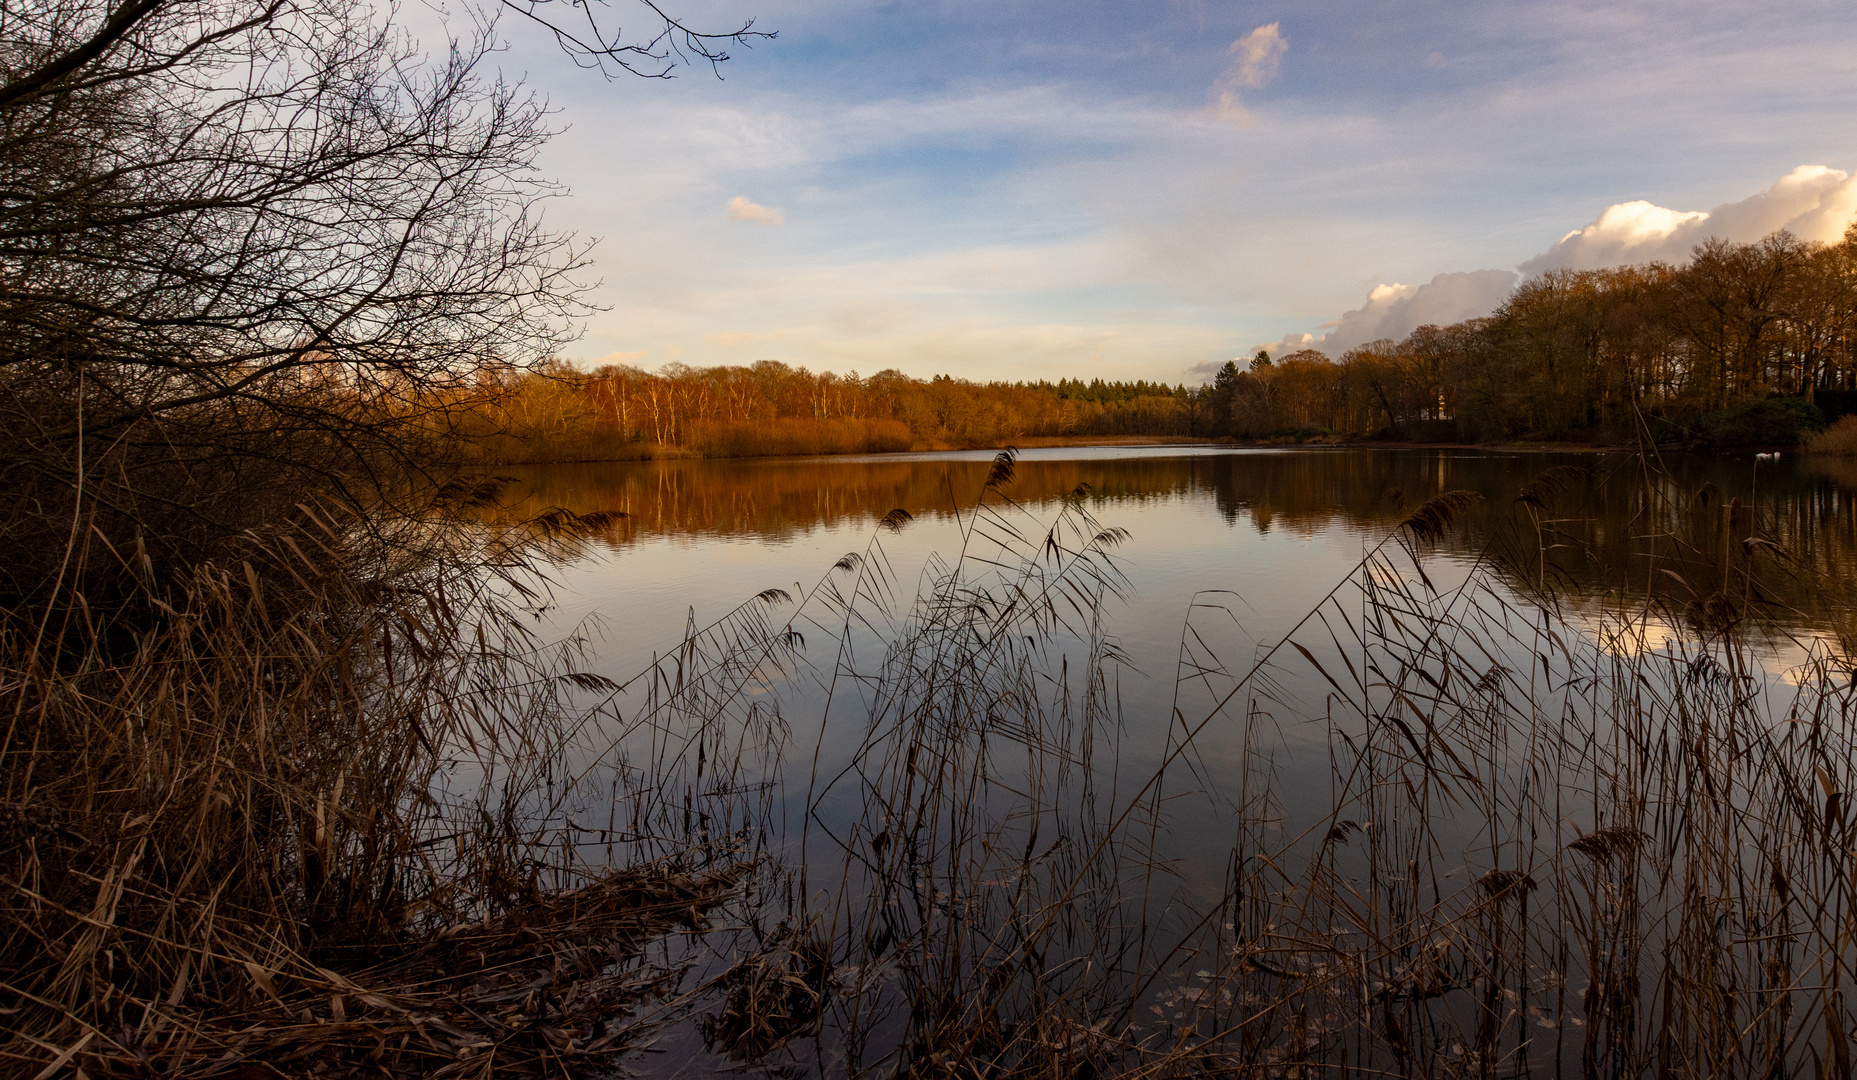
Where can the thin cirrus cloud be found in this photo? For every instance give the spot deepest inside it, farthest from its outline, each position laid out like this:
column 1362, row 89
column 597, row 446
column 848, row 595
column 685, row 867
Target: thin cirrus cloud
column 1256, row 58
column 741, row 208
column 1813, row 202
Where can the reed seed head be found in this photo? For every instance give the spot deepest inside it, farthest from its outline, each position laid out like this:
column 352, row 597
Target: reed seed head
column 1434, row 517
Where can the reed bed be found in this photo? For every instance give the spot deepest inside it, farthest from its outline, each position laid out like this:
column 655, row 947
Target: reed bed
column 1471, row 823
column 281, row 826
column 1560, row 835
column 1556, row 847
column 1839, row 439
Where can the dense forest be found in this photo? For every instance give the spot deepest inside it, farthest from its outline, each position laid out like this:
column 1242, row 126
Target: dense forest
column 561, row 414
column 1734, row 346
column 1745, row 343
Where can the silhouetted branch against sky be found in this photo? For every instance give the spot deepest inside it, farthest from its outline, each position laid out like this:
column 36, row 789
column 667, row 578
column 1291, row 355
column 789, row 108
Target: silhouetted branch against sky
column 251, row 249
column 592, row 34
column 62, row 46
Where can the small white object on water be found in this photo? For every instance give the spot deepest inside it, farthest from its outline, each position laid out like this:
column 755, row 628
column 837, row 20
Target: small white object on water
column 1775, row 456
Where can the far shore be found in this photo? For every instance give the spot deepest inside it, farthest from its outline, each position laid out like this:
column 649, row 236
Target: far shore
column 661, row 452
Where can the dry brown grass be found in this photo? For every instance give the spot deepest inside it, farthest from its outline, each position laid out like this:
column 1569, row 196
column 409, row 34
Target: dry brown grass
column 1840, row 439
column 289, row 820
column 790, row 437
column 539, row 991
column 1562, row 834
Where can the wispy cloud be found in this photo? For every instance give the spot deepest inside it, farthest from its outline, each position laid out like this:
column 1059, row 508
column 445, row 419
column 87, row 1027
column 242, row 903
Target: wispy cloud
column 1256, row 56
column 1076, row 195
column 1255, row 60
column 741, row 209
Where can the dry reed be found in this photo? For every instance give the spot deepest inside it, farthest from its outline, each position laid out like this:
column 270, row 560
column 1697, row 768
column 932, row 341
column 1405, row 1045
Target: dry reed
column 288, row 821
column 1839, row 439
column 1563, row 834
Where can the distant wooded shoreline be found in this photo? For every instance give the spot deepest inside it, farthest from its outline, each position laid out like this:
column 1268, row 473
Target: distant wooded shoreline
column 1746, row 345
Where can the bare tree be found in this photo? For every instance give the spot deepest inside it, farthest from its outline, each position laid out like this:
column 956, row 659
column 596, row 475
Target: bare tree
column 68, row 45
column 249, row 246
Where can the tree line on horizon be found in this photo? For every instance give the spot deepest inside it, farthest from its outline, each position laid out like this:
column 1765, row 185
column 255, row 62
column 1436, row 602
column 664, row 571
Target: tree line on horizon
column 562, row 414
column 1741, row 344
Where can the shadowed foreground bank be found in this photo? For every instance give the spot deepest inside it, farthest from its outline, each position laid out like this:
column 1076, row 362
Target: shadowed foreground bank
column 280, row 827
column 1565, row 834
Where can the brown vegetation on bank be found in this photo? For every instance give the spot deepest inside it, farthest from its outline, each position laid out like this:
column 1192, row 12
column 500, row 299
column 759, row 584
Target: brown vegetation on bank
column 233, row 834
column 1839, row 440
column 770, row 409
column 276, row 742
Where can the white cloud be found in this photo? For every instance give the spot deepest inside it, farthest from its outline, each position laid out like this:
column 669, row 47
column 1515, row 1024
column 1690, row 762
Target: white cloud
column 740, row 209
column 1291, row 343
column 1255, row 59
column 1393, row 311
column 622, row 357
column 1258, row 53
column 1813, row 201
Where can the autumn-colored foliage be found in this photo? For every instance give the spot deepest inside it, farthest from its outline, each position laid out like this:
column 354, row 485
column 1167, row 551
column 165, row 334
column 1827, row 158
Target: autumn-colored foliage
column 1688, row 354
column 773, row 409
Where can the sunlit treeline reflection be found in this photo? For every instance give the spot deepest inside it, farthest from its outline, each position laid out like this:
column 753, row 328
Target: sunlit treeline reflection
column 1706, row 536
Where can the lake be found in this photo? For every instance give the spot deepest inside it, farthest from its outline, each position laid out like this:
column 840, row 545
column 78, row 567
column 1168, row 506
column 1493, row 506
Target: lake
column 1216, row 664
column 1274, row 529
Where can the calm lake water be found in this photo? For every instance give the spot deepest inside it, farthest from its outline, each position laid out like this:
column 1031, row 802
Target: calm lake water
column 1226, row 552
column 1271, row 531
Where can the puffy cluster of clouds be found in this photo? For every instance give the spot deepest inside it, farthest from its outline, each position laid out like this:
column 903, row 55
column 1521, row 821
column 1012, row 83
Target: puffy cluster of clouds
column 1159, row 183
column 1814, row 202
column 1393, row 311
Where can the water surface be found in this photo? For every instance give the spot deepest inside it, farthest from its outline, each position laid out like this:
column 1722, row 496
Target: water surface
column 1226, row 553
column 1272, row 530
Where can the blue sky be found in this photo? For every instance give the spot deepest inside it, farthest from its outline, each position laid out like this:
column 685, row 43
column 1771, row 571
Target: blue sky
column 1036, row 190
